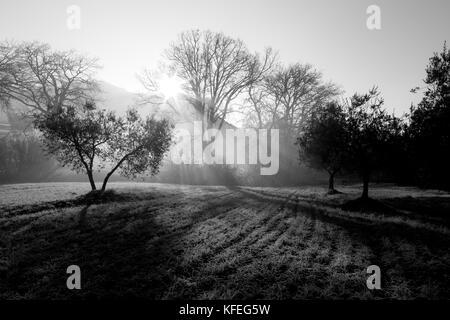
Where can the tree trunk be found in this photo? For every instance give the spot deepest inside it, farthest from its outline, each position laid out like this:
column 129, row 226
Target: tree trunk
column 331, row 183
column 91, row 180
column 105, row 181
column 365, row 193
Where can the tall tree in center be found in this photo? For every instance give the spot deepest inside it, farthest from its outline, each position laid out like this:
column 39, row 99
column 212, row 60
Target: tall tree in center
column 216, row 69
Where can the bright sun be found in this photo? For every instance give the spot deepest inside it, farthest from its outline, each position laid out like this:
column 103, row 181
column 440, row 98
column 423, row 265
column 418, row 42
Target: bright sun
column 170, row 86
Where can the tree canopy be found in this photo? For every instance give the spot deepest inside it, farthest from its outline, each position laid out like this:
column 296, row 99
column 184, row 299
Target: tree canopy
column 323, row 143
column 77, row 137
column 429, row 130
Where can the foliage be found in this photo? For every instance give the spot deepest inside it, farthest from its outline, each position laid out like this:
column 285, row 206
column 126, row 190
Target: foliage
column 80, row 136
column 22, row 159
column 429, row 130
column 323, row 144
column 371, row 133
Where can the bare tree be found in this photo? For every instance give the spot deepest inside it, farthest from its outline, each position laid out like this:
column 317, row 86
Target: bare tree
column 46, row 80
column 259, row 108
column 286, row 98
column 216, row 69
column 296, row 91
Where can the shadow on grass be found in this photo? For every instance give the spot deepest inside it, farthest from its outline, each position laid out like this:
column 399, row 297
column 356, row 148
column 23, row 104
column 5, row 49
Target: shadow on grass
column 116, row 261
column 423, row 241
column 122, row 250
column 125, row 251
column 93, row 197
column 369, row 205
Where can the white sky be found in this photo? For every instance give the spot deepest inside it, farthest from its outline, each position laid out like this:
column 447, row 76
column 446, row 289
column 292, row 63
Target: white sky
column 331, row 35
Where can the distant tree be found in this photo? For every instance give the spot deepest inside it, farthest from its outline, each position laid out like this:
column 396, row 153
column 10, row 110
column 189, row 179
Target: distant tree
column 216, row 70
column 8, row 57
column 22, row 159
column 77, row 137
column 285, row 99
column 43, row 79
column 429, row 129
column 297, row 90
column 323, row 143
column 370, row 132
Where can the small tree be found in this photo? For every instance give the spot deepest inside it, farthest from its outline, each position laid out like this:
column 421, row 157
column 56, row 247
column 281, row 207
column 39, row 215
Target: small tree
column 370, row 132
column 323, row 144
column 78, row 137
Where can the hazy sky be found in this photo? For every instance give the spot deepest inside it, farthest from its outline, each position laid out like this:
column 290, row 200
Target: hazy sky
column 331, row 35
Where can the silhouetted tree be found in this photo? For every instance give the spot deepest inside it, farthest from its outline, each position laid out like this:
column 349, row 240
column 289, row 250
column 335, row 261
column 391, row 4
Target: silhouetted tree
column 370, row 132
column 77, row 137
column 323, row 143
column 429, row 129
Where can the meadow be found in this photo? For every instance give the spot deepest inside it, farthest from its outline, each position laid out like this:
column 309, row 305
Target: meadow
column 163, row 241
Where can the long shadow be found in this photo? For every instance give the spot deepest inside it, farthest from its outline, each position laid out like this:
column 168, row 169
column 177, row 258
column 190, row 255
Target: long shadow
column 126, row 253
column 87, row 199
column 113, row 262
column 372, row 233
column 359, row 227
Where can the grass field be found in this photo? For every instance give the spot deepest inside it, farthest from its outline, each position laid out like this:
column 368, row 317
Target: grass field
column 167, row 241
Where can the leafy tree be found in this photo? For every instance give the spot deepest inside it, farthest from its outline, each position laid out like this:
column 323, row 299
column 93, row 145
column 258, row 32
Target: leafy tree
column 78, row 137
column 323, row 143
column 429, row 130
column 370, row 132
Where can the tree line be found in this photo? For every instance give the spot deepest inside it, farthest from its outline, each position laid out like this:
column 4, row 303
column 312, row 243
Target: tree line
column 221, row 76
column 359, row 136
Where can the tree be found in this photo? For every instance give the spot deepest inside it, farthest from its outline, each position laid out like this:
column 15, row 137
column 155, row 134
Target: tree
column 296, row 91
column 285, row 100
column 370, row 132
column 429, row 131
column 77, row 137
column 23, row 160
column 8, row 55
column 46, row 80
column 216, row 69
column 323, row 143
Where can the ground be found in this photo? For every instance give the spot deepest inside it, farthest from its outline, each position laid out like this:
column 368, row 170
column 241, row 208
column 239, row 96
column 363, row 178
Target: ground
column 162, row 241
